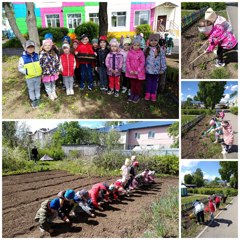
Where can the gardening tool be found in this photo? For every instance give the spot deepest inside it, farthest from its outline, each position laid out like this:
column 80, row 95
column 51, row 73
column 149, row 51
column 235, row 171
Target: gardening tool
column 196, row 60
column 201, row 47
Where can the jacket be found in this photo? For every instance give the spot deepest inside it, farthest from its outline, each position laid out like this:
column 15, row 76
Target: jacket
column 212, row 207
column 29, row 65
column 198, row 207
column 220, row 37
column 96, row 192
column 125, row 174
column 110, row 63
column 101, row 57
column 124, row 53
column 49, row 62
column 228, row 136
column 155, row 65
column 135, row 62
column 43, row 214
column 67, row 64
column 85, row 53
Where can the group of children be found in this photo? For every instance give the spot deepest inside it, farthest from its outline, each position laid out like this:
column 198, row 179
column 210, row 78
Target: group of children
column 223, row 132
column 103, row 61
column 219, row 33
column 69, row 203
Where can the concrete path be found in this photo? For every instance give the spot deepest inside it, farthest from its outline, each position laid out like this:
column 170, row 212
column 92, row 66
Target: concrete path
column 233, row 120
column 232, row 9
column 225, row 225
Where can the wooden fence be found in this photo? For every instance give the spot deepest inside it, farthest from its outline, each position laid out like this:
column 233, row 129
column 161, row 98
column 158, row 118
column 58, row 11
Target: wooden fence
column 190, row 19
column 186, row 127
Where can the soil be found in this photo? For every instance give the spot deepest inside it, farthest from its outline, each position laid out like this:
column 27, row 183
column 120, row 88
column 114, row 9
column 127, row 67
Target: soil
column 84, row 104
column 196, row 146
column 23, row 194
column 204, row 66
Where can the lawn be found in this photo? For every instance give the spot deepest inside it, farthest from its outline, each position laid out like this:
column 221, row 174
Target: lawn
column 187, row 118
column 192, row 197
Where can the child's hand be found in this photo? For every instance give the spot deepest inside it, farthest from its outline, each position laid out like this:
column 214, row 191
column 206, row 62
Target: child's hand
column 93, row 215
column 95, row 53
column 75, row 53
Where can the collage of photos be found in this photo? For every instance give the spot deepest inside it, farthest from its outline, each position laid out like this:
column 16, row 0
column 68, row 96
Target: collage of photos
column 120, row 119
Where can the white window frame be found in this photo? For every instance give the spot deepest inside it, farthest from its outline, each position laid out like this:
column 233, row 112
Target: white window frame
column 46, row 19
column 117, row 19
column 94, row 17
column 73, row 18
column 137, row 135
column 151, row 135
column 140, row 16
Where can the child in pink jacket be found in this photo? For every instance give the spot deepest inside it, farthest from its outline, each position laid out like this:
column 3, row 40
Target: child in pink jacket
column 218, row 36
column 135, row 70
column 114, row 64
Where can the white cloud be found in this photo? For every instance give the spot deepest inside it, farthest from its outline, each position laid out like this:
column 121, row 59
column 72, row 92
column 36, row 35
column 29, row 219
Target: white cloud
column 189, row 96
column 182, row 94
column 226, row 98
column 189, row 89
column 234, row 88
column 209, row 177
column 189, row 164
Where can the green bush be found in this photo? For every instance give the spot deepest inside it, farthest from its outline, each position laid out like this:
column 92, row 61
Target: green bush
column 197, row 111
column 209, row 191
column 12, row 43
column 58, row 33
column 55, row 153
column 216, row 6
column 220, row 73
column 234, row 110
column 145, row 29
column 88, row 28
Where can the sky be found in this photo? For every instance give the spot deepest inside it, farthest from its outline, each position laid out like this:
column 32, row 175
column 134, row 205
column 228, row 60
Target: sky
column 209, row 168
column 190, row 88
column 37, row 124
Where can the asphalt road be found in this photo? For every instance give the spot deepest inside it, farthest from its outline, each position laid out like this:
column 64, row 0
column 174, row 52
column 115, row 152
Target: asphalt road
column 232, row 10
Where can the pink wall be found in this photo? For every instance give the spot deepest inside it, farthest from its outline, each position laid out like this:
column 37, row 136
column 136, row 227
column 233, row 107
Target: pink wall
column 139, row 7
column 161, row 137
column 46, row 11
column 72, row 4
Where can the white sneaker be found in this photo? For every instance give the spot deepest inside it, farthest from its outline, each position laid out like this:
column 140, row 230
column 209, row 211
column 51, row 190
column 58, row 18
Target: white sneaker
column 50, row 95
column 54, row 94
column 41, row 230
column 68, row 92
column 224, row 152
column 71, row 92
column 124, row 89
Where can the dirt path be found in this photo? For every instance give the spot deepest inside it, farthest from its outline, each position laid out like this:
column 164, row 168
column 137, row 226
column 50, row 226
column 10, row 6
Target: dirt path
column 23, row 194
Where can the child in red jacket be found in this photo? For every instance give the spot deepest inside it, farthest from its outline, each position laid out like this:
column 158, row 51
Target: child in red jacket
column 86, row 57
column 212, row 208
column 67, row 66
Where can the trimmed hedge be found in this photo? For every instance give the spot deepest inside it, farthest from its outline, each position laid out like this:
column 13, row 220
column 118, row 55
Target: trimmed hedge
column 88, row 28
column 234, row 110
column 209, row 191
column 58, row 33
column 197, row 111
column 145, row 29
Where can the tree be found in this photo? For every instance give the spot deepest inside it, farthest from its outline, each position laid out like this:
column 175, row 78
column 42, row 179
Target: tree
column 173, row 131
column 9, row 133
column 198, row 177
column 210, row 93
column 32, row 25
column 228, row 171
column 196, row 98
column 235, row 93
column 188, row 179
column 113, row 123
column 103, row 19
column 110, row 140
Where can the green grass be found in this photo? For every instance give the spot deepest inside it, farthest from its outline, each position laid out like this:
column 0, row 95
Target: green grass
column 187, row 12
column 187, row 118
column 162, row 217
column 220, row 73
column 191, row 198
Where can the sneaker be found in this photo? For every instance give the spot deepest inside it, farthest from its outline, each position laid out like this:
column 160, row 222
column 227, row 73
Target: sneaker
column 41, row 230
column 215, row 51
column 54, row 95
column 110, row 92
column 136, row 99
column 89, row 88
column 219, row 64
column 34, row 104
column 147, row 96
column 102, row 88
column 68, row 92
column 82, row 88
column 95, row 84
column 153, row 97
column 116, row 94
column 224, row 152
column 75, row 85
column 51, row 96
column 124, row 90
column 130, row 98
column 71, row 92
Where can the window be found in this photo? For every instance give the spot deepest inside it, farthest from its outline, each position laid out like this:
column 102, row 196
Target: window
column 118, row 19
column 53, row 20
column 141, row 17
column 151, row 134
column 74, row 20
column 137, row 135
column 93, row 17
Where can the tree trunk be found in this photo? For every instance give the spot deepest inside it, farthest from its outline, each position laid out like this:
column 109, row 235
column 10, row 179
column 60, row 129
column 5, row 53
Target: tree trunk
column 32, row 25
column 12, row 21
column 103, row 19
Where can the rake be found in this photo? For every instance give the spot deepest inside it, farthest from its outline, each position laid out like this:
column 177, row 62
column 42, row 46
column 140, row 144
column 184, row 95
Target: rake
column 191, row 63
column 201, row 47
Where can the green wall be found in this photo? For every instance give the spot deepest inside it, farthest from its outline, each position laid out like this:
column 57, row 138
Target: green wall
column 22, row 25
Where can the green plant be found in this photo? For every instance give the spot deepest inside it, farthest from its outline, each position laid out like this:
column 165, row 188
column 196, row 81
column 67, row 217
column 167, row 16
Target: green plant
column 57, row 32
column 197, row 111
column 88, row 28
column 236, row 66
column 220, row 73
column 234, row 110
column 209, row 191
column 202, row 36
column 12, row 43
column 145, row 29
column 203, row 66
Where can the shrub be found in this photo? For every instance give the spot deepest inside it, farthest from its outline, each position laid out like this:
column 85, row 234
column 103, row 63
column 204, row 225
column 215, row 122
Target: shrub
column 88, row 28
column 55, row 153
column 145, row 29
column 58, row 33
column 234, row 110
column 216, row 6
column 220, row 73
column 12, row 43
column 209, row 191
column 197, row 111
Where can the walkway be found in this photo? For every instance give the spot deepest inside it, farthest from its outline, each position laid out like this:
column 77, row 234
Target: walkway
column 224, row 225
column 232, row 9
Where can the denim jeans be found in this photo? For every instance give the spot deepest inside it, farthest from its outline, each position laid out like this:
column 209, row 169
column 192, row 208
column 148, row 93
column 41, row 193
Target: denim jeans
column 103, row 77
column 33, row 85
column 68, row 82
column 86, row 69
column 49, row 87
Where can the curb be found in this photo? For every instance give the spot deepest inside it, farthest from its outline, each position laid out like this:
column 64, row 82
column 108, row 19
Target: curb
column 199, row 235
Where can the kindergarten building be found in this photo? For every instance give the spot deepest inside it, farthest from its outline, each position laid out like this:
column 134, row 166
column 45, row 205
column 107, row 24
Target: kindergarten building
column 123, row 17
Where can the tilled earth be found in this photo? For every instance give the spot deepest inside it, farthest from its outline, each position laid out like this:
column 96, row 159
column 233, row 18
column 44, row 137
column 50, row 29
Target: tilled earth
column 23, row 194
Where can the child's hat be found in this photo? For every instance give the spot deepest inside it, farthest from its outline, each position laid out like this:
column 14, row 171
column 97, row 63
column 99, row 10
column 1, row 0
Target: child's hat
column 65, row 45
column 127, row 162
column 103, row 38
column 127, row 41
column 136, row 164
column 114, row 42
column 154, row 36
column 212, row 122
column 48, row 35
column 75, row 41
column 69, row 194
column 29, row 43
column 210, row 15
column 49, row 41
column 94, row 40
column 83, row 36
column 66, row 38
column 137, row 39
column 55, row 203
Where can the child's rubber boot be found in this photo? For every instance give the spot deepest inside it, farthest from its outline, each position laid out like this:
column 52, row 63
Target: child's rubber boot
column 154, row 97
column 147, row 96
column 54, row 94
column 50, row 95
